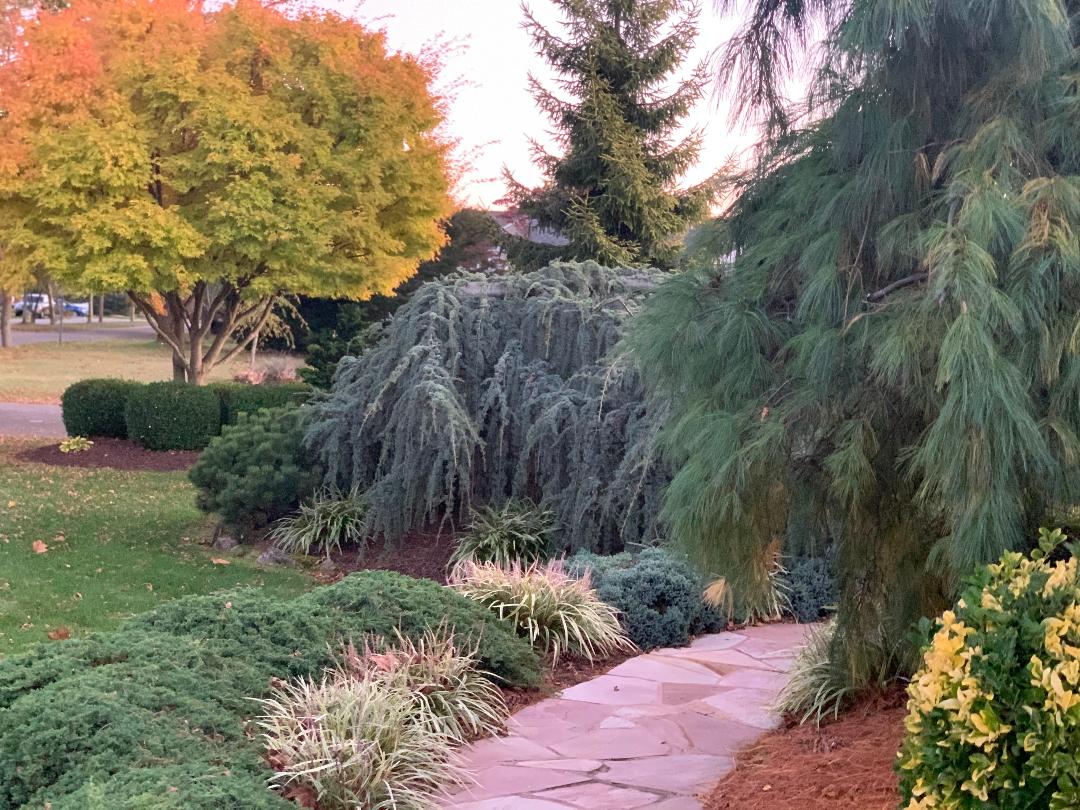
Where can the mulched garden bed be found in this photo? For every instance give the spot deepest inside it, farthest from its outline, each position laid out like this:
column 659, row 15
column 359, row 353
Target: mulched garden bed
column 115, row 454
column 845, row 763
column 419, row 554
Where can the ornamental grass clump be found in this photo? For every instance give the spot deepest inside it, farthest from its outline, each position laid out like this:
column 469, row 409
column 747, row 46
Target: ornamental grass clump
column 355, row 743
column 556, row 612
column 329, row 521
column 450, row 694
column 994, row 712
column 517, row 531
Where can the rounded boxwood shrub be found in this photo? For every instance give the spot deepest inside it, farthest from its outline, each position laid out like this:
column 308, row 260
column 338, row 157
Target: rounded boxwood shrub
column 156, row 713
column 256, row 471
column 237, row 398
column 657, row 592
column 172, row 416
column 96, row 407
column 994, row 711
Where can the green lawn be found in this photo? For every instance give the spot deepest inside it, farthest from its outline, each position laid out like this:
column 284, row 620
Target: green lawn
column 119, row 543
column 39, row 372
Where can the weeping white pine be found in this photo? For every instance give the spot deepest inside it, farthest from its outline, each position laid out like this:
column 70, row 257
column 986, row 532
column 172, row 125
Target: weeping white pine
column 882, row 351
column 487, row 388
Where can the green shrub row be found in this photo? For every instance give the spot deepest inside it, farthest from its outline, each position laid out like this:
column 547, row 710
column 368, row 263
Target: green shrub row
column 157, row 713
column 95, row 408
column 238, row 398
column 166, row 415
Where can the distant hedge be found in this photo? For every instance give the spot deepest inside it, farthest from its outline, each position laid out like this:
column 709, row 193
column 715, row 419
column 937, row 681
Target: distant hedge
column 167, row 415
column 155, row 714
column 238, row 398
column 172, row 416
column 96, row 407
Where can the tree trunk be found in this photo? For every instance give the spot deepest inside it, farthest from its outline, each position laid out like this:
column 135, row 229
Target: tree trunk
column 254, row 349
column 5, row 320
column 101, row 309
column 131, row 311
column 90, row 308
column 50, row 289
column 188, row 320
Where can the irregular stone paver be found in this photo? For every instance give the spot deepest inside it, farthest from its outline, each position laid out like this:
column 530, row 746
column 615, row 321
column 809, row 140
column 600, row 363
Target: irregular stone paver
column 652, row 733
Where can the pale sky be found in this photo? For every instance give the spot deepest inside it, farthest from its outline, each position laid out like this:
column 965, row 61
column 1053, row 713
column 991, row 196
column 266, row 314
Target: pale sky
column 493, row 113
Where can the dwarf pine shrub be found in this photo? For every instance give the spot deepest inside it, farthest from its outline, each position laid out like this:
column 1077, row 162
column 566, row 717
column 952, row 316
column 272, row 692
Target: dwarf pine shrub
column 483, row 389
column 256, row 471
column 994, row 711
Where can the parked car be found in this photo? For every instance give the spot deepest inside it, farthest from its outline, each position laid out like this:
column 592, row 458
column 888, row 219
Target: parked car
column 77, row 308
column 38, row 303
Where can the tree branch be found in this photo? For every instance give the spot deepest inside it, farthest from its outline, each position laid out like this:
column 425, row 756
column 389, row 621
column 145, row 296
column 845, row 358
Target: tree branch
column 254, row 333
column 155, row 321
column 906, row 281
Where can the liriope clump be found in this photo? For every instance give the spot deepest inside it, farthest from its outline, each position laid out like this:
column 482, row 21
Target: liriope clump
column 488, row 388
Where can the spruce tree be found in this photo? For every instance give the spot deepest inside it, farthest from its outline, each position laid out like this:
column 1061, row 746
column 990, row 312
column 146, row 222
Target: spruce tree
column 612, row 189
column 883, row 354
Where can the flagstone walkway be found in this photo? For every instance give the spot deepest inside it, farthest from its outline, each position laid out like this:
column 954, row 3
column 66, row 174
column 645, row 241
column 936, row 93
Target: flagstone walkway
column 654, row 732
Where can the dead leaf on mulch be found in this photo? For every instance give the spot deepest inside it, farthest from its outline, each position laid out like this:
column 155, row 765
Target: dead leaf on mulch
column 39, row 546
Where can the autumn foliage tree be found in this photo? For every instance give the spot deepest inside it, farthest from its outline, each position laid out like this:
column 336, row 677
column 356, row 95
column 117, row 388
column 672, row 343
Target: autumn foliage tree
column 209, row 162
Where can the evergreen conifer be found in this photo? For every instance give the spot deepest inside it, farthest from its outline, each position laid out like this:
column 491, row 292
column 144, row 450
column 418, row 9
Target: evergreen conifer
column 616, row 114
column 885, row 356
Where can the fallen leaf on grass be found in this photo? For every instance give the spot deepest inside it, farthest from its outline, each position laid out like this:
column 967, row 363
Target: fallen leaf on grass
column 11, row 504
column 39, row 547
column 218, row 561
column 59, row 634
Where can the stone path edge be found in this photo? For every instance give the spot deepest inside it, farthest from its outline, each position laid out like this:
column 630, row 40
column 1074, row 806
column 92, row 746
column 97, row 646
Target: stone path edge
column 654, row 732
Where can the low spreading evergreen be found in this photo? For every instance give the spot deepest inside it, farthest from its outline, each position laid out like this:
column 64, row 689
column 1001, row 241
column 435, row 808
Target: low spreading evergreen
column 486, row 388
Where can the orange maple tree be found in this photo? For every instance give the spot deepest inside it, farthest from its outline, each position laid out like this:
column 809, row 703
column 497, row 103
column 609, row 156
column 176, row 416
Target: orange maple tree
column 218, row 159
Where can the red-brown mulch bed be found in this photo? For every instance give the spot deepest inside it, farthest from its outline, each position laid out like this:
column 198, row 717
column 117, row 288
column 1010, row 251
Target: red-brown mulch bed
column 116, row 454
column 845, row 763
column 422, row 554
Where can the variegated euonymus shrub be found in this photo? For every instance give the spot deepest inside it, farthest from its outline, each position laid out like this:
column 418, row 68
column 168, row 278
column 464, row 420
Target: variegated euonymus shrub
column 994, row 712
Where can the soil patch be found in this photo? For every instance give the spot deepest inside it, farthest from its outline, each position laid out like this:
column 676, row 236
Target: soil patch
column 115, row 454
column 845, row 763
column 423, row 554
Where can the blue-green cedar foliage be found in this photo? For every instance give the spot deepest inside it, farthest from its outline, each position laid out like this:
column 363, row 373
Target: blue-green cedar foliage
column 485, row 388
column 884, row 346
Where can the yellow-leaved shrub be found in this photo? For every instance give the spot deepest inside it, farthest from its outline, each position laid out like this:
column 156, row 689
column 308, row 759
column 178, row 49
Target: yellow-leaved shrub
column 994, row 711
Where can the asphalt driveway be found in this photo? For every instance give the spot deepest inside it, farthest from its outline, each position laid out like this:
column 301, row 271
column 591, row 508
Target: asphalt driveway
column 18, row 419
column 81, row 331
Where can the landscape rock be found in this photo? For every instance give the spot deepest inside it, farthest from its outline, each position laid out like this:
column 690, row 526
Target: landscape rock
column 225, row 540
column 274, row 556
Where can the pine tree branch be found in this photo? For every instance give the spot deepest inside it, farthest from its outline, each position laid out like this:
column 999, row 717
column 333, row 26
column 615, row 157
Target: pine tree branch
column 906, row 281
